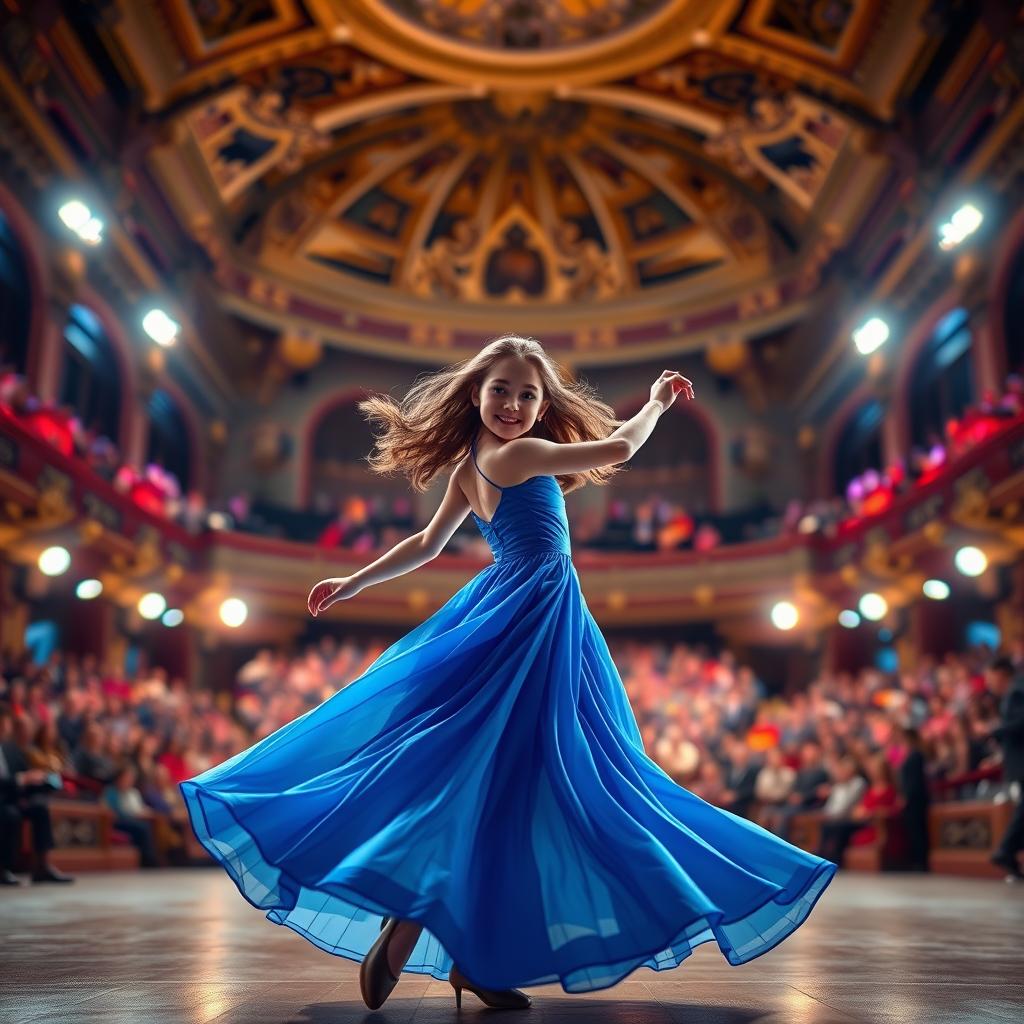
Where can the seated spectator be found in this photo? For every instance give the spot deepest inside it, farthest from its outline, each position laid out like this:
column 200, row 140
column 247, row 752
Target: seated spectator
column 23, row 793
column 854, row 826
column 70, row 721
column 162, row 796
column 132, row 816
column 810, row 788
column 774, row 784
column 676, row 754
column 740, row 773
column 846, row 791
column 90, row 759
column 709, row 785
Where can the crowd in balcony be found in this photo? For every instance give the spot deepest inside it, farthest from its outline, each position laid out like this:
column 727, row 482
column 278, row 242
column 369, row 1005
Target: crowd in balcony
column 848, row 744
column 364, row 522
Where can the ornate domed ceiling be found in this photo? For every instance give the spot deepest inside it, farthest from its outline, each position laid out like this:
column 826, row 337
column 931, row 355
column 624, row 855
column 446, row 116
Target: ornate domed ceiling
column 549, row 202
column 620, row 179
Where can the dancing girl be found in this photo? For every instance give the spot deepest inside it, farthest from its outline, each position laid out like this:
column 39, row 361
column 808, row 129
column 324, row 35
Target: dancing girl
column 477, row 805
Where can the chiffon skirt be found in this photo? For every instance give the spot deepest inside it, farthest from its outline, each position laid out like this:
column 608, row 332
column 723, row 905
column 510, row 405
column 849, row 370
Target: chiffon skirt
column 486, row 778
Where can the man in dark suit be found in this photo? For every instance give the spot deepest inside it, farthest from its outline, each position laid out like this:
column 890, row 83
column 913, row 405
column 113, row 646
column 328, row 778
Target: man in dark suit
column 1007, row 683
column 740, row 775
column 17, row 781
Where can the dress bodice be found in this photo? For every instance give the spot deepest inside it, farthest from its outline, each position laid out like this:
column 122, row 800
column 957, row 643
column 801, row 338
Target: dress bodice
column 530, row 518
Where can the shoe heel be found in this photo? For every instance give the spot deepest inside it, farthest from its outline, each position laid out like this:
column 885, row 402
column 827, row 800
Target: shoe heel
column 456, row 980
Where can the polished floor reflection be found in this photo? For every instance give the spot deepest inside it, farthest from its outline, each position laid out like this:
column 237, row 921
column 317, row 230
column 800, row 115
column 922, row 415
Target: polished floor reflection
column 184, row 947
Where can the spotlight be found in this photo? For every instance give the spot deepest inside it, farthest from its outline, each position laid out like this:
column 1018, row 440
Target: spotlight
column 971, row 561
column 54, row 561
column 937, row 590
column 870, row 335
column 77, row 217
column 173, row 617
column 785, row 615
column 849, row 619
column 152, row 605
column 75, row 214
column 160, row 327
column 88, row 589
column 873, row 607
column 233, row 612
column 964, row 222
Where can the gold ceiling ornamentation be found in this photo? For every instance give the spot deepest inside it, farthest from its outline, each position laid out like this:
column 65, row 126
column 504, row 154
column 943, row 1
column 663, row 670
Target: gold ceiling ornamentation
column 393, row 172
column 544, row 202
column 525, row 24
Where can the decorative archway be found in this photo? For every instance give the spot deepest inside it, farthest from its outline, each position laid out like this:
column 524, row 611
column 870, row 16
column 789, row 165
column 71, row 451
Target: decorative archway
column 24, row 235
column 90, row 381
column 125, row 359
column 918, row 337
column 858, row 444
column 1006, row 299
column 693, row 433
column 195, row 434
column 169, row 438
column 321, row 414
column 941, row 383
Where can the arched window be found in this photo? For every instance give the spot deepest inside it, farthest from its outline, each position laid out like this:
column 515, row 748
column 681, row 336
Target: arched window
column 91, row 381
column 168, row 437
column 338, row 471
column 1014, row 322
column 15, row 301
column 860, row 445
column 674, row 463
column 941, row 384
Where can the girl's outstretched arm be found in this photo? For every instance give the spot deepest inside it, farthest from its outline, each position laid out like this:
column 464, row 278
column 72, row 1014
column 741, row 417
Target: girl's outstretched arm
column 405, row 556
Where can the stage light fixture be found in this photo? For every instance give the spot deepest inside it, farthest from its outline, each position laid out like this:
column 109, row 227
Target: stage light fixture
column 873, row 607
column 785, row 615
column 88, row 589
column 152, row 605
column 54, row 561
column 870, row 335
column 849, row 619
column 964, row 222
column 971, row 561
column 77, row 217
column 233, row 612
column 173, row 617
column 937, row 590
column 160, row 327
column 75, row 214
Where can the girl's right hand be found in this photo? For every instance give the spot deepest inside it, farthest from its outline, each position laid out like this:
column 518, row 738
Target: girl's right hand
column 328, row 591
column 668, row 386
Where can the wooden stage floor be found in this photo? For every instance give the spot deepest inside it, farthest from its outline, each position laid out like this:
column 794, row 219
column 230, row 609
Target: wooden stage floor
column 183, row 946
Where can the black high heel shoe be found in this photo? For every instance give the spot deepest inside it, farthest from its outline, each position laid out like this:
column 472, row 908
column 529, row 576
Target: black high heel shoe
column 376, row 982
column 504, row 999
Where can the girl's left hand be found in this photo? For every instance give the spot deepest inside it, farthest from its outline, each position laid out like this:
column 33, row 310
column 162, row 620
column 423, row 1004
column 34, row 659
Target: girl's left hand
column 327, row 592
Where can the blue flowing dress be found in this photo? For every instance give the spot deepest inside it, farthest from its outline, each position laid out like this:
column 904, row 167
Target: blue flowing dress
column 486, row 778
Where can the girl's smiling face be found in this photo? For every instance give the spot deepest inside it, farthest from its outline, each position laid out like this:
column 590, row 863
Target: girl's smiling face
column 511, row 399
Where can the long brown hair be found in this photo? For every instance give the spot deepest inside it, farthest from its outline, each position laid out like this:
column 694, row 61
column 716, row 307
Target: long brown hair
column 433, row 426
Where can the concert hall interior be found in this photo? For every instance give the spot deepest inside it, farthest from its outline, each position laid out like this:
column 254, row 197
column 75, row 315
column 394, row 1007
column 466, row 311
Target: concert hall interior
column 776, row 247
